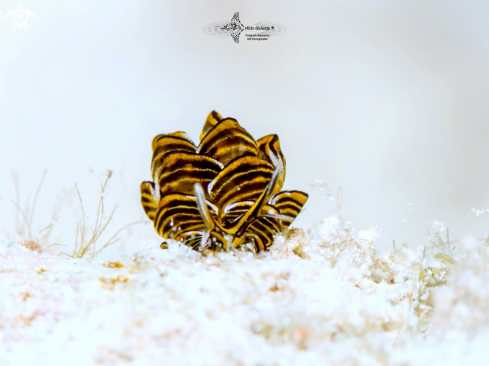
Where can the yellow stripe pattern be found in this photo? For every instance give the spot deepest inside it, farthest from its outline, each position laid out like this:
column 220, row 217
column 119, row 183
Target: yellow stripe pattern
column 149, row 199
column 177, row 214
column 242, row 179
column 226, row 141
column 231, row 173
column 270, row 146
column 179, row 171
column 289, row 203
column 164, row 144
column 212, row 119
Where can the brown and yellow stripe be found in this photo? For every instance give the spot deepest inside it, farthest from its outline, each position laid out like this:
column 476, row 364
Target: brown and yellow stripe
column 179, row 171
column 263, row 229
column 239, row 226
column 212, row 119
column 243, row 179
column 270, row 146
column 178, row 214
column 226, row 141
column 163, row 144
column 289, row 203
column 149, row 199
column 234, row 210
column 190, row 238
column 180, row 134
column 224, row 192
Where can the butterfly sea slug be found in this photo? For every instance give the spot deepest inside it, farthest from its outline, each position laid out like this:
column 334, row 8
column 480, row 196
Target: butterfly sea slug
column 224, row 192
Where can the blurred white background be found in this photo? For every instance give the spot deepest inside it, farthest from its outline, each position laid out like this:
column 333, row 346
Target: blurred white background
column 387, row 99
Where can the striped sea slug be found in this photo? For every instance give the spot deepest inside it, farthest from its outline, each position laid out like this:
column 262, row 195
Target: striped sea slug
column 225, row 191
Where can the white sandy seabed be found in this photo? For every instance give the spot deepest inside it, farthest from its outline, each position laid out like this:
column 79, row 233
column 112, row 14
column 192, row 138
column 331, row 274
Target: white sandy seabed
column 323, row 299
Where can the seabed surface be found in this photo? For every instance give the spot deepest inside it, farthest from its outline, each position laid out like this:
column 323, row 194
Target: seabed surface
column 323, row 299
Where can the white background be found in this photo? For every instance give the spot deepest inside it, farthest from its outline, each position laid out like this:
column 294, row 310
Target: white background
column 387, row 99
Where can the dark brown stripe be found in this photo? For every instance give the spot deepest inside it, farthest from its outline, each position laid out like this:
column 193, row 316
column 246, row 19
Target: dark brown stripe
column 258, row 241
column 289, row 203
column 179, row 172
column 265, row 228
column 226, row 141
column 234, row 210
column 179, row 134
column 183, row 135
column 145, row 199
column 178, row 213
column 269, row 209
column 148, row 199
column 243, row 179
column 164, row 145
column 212, row 119
column 270, row 146
column 190, row 238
